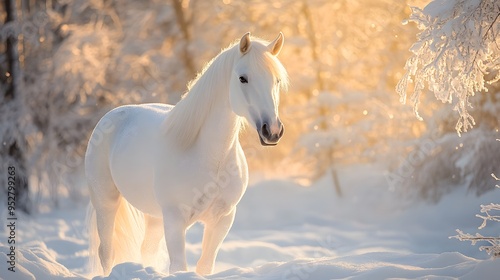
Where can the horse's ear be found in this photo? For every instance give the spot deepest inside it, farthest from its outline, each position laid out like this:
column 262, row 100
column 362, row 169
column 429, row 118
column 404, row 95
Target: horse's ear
column 276, row 45
column 245, row 43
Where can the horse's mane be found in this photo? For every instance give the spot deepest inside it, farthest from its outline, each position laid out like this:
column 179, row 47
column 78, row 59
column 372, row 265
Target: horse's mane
column 185, row 120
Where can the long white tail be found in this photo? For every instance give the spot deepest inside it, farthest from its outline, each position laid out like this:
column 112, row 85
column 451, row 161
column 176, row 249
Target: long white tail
column 128, row 234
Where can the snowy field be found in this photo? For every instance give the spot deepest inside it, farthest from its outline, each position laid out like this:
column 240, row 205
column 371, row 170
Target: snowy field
column 285, row 231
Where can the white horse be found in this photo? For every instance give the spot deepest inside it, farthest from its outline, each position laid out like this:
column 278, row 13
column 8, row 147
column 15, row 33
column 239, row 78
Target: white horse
column 178, row 165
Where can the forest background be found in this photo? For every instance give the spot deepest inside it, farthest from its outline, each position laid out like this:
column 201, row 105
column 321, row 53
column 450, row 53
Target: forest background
column 64, row 64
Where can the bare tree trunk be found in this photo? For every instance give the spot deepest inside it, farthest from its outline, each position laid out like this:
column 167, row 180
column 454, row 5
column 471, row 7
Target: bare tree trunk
column 12, row 52
column 333, row 173
column 12, row 97
column 311, row 35
column 184, row 27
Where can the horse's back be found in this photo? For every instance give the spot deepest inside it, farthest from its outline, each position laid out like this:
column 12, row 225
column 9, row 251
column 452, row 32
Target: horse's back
column 121, row 151
column 113, row 124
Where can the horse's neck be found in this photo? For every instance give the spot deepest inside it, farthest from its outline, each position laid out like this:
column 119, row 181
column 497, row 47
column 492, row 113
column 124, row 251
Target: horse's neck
column 220, row 130
column 204, row 116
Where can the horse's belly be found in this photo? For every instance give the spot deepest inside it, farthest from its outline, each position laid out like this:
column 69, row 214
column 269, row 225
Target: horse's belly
column 131, row 166
column 200, row 189
column 136, row 185
column 137, row 189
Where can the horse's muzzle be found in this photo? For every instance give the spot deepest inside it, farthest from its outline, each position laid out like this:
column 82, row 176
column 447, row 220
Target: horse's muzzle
column 268, row 136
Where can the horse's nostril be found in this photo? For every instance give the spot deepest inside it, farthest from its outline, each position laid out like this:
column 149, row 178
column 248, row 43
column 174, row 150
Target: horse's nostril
column 282, row 131
column 265, row 131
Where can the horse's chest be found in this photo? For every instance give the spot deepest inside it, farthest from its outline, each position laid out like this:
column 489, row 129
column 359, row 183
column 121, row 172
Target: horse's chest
column 218, row 190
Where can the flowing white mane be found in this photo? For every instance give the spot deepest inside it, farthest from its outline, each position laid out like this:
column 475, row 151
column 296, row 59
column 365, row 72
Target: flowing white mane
column 187, row 117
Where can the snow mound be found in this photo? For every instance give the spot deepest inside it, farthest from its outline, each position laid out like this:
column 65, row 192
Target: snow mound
column 35, row 262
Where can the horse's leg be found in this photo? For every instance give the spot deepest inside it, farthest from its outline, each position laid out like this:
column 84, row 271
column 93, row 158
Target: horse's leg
column 175, row 237
column 105, row 217
column 213, row 236
column 152, row 237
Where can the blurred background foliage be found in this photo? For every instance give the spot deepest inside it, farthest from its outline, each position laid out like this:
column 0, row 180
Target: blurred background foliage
column 79, row 59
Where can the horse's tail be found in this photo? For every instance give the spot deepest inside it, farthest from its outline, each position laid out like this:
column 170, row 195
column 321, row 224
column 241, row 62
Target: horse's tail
column 128, row 234
column 94, row 262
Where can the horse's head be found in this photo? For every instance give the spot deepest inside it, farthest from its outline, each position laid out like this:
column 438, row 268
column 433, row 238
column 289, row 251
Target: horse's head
column 254, row 87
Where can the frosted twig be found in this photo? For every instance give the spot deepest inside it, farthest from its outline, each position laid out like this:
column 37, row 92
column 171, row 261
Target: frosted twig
column 492, row 250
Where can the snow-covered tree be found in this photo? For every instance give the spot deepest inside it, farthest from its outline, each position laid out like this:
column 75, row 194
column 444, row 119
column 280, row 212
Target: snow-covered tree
column 456, row 54
column 12, row 142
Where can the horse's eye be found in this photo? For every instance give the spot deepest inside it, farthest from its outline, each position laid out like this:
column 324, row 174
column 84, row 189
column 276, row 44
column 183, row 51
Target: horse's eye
column 243, row 80
column 278, row 81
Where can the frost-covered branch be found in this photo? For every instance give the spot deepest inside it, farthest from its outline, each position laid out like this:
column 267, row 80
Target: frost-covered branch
column 495, row 177
column 488, row 217
column 456, row 54
column 494, row 248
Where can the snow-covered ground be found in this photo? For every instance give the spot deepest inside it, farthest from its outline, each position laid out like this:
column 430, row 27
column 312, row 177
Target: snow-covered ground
column 286, row 231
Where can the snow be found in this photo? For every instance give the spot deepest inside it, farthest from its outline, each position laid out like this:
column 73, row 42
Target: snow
column 286, row 231
column 439, row 7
